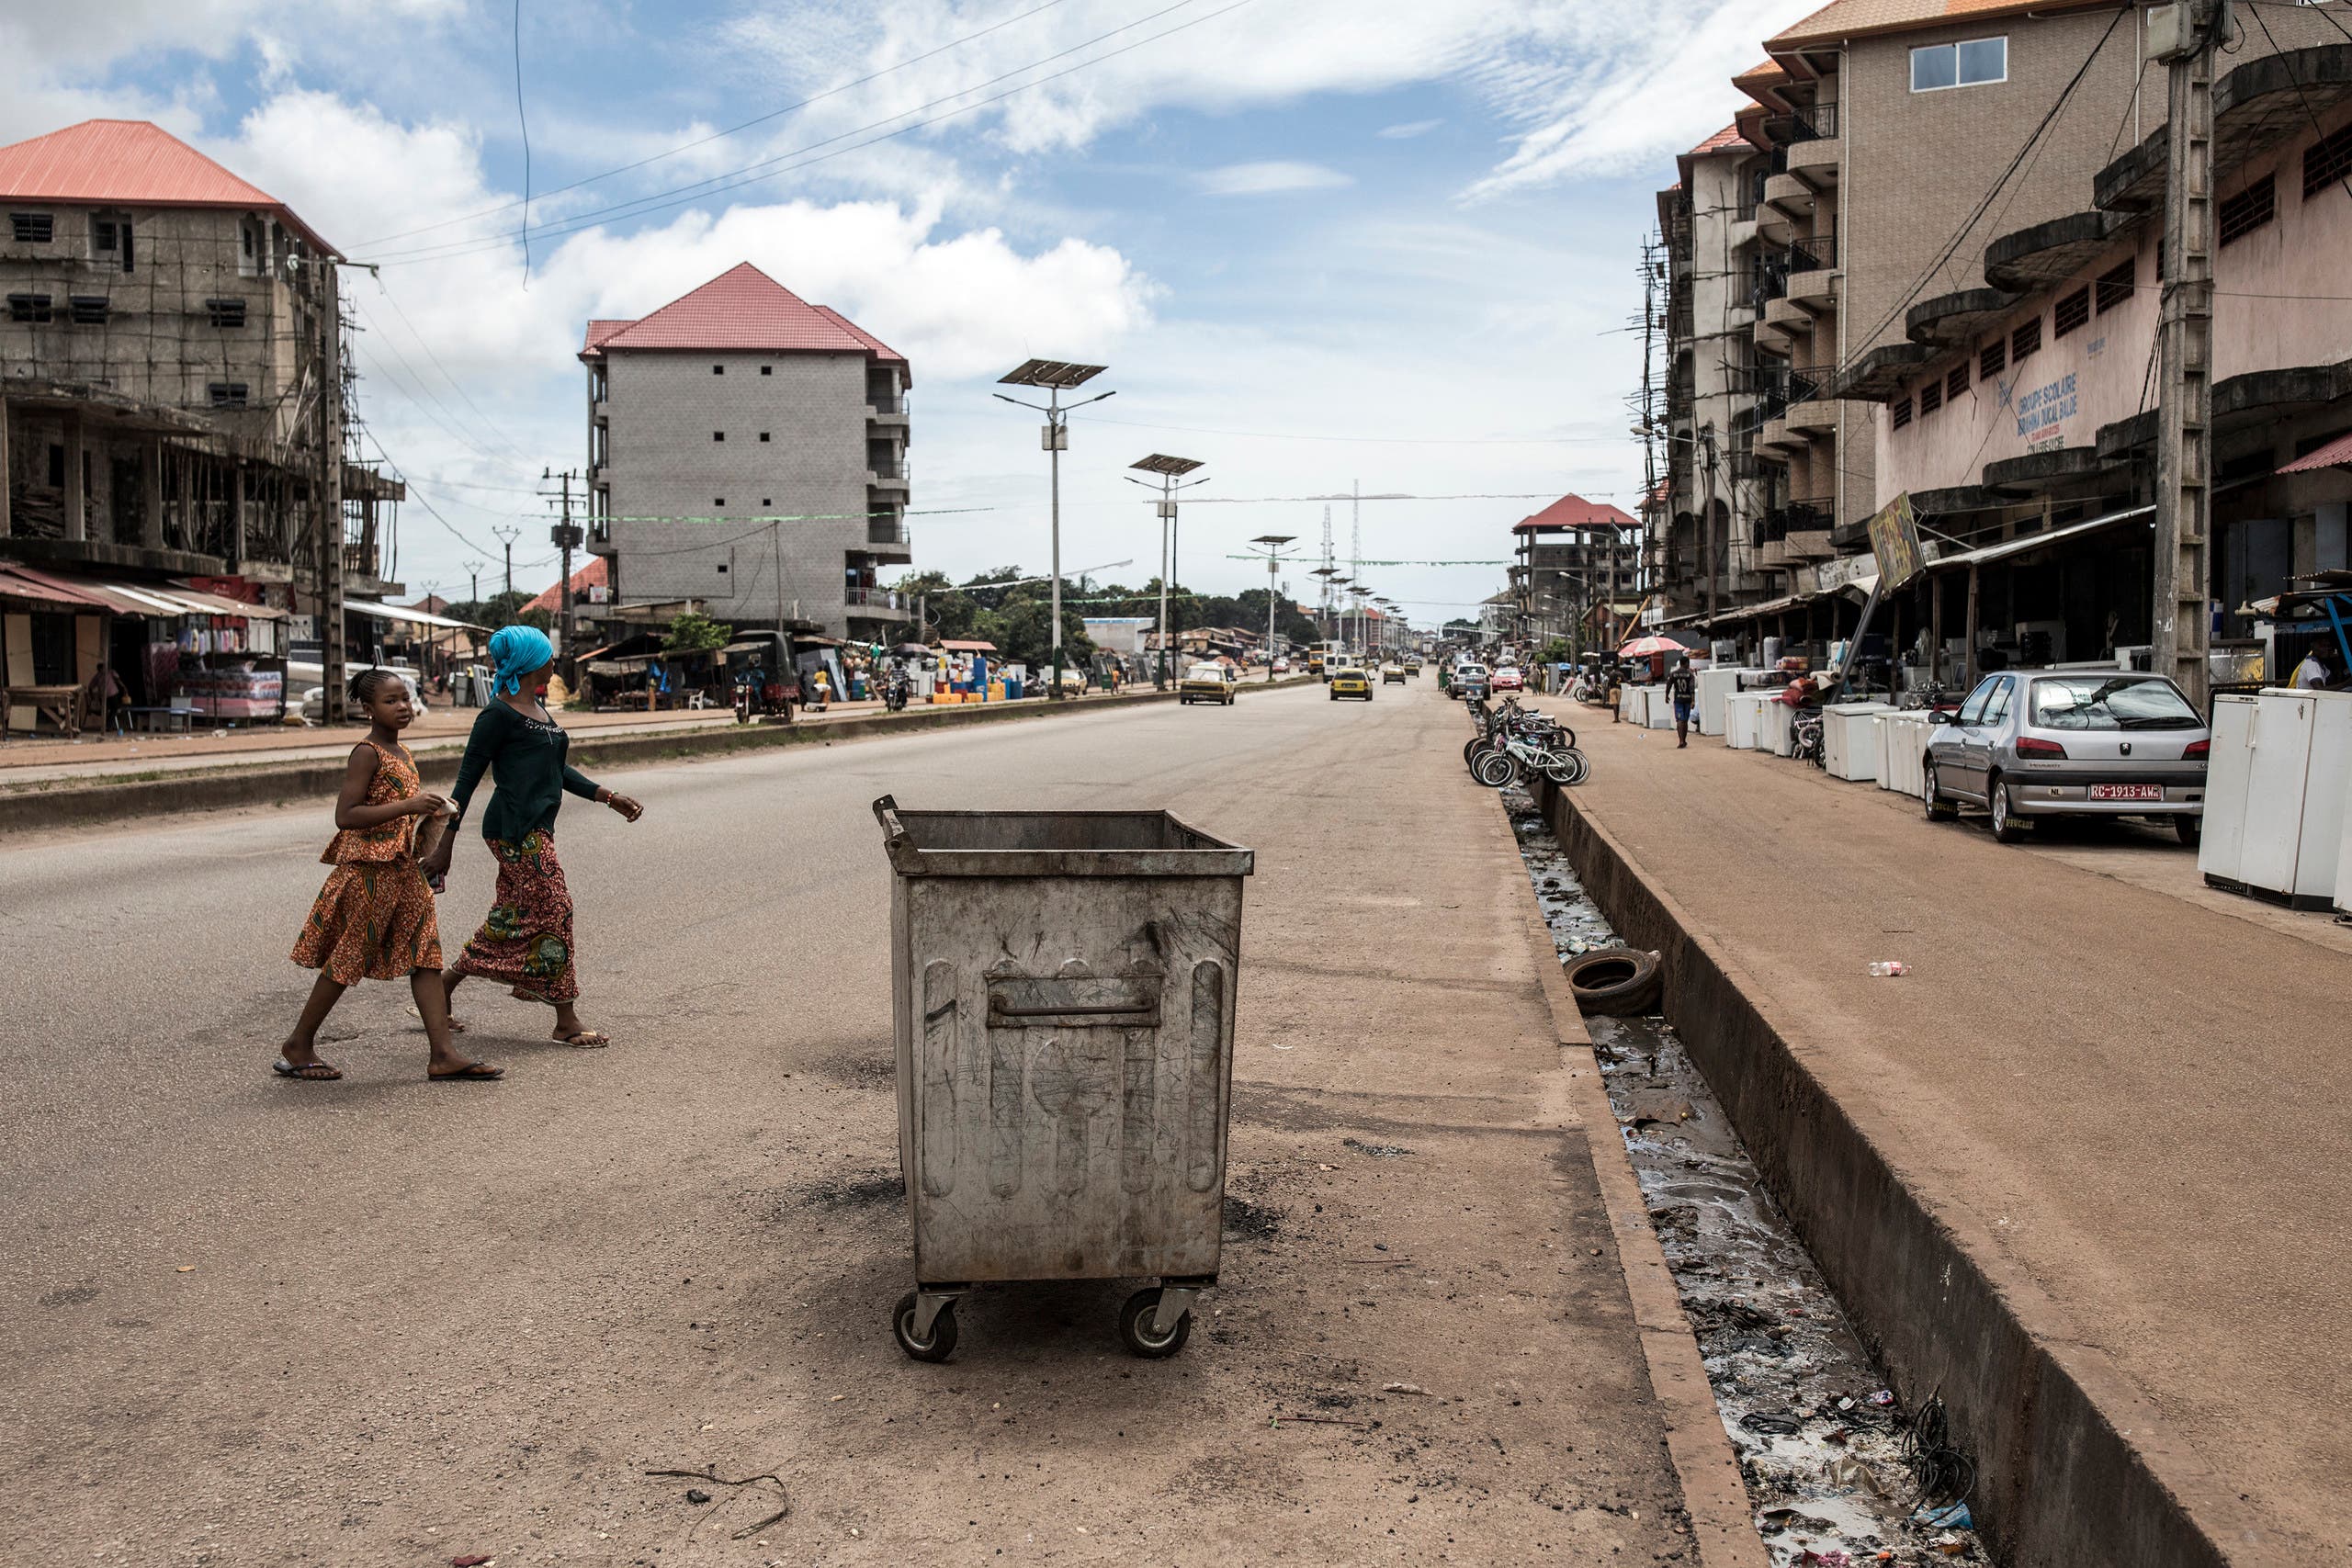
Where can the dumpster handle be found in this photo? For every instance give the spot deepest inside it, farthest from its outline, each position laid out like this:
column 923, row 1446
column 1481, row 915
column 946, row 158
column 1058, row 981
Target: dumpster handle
column 998, row 1008
column 894, row 835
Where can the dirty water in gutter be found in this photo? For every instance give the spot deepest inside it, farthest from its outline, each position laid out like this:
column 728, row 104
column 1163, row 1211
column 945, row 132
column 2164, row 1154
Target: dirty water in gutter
column 1825, row 1451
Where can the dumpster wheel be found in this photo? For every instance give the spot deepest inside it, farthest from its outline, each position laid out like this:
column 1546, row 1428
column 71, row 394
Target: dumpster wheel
column 1139, row 1327
column 941, row 1343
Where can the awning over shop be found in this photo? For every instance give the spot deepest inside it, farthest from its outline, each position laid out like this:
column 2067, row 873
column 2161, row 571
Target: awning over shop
column 164, row 601
column 2018, row 547
column 1769, row 607
column 38, row 589
column 958, row 644
column 2335, row 454
column 404, row 612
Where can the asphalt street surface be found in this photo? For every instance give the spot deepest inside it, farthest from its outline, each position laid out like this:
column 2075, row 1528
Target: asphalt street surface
column 383, row 1322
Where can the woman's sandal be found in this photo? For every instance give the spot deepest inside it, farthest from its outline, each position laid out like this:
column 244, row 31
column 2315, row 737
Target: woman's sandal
column 583, row 1039
column 308, row 1072
column 472, row 1072
column 455, row 1027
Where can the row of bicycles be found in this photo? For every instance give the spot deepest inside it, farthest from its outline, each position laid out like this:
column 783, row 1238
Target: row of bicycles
column 1513, row 742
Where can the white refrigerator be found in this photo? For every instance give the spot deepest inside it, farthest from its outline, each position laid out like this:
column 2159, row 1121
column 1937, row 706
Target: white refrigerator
column 2274, row 793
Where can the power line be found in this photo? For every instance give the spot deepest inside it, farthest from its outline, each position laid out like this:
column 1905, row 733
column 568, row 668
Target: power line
column 718, row 135
column 735, row 179
column 1375, row 440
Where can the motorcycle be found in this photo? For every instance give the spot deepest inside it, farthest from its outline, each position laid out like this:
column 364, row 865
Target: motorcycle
column 759, row 696
column 897, row 694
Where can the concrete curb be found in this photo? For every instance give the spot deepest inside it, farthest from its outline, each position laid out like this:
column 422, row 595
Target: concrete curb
column 1714, row 1494
column 2075, row 1466
column 233, row 787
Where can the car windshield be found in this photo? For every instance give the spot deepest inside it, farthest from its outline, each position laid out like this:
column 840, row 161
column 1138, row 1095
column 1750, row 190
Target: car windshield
column 2094, row 702
column 1205, row 673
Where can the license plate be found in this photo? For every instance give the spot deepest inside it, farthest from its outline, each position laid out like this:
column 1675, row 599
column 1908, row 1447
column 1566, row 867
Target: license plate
column 2127, row 792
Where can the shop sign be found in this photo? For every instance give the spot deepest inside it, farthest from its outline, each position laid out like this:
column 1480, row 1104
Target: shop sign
column 1894, row 543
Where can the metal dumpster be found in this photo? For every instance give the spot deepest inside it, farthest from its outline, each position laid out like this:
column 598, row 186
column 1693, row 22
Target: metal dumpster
column 1063, row 986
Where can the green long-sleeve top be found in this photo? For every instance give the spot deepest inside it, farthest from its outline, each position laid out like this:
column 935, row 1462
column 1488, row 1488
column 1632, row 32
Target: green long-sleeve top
column 529, row 776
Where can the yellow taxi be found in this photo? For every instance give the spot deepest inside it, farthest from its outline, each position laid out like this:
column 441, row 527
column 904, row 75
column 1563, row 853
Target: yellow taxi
column 1351, row 681
column 1205, row 684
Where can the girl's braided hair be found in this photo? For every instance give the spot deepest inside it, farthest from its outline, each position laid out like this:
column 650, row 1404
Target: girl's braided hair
column 363, row 683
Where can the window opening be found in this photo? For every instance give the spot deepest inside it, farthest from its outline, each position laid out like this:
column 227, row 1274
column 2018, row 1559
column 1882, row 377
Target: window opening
column 1992, row 359
column 1899, row 412
column 31, row 308
column 1931, row 397
column 2025, row 339
column 1957, row 383
column 2325, row 161
column 88, row 309
column 226, row 313
column 32, row 227
column 2242, row 214
column 2072, row 312
column 2116, row 285
column 1972, row 63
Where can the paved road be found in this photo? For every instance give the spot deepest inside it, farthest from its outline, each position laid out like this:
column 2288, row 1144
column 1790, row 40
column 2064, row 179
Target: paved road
column 2123, row 1086
column 426, row 1321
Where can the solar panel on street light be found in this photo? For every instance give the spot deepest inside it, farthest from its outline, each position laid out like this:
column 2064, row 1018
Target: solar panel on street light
column 1161, row 463
column 1051, row 373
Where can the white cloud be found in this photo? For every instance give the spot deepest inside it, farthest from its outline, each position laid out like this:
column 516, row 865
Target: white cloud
column 1646, row 90
column 1410, row 129
column 1269, row 178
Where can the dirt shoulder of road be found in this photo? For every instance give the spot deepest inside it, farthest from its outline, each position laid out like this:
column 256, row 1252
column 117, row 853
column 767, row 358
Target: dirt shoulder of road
column 2122, row 1105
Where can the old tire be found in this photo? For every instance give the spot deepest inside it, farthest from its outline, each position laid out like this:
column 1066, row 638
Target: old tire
column 1135, row 1331
column 2006, row 829
column 1938, row 808
column 1614, row 982
column 942, row 1343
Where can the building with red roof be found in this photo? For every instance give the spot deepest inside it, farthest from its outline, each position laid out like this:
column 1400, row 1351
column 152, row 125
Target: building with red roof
column 748, row 456
column 1572, row 558
column 166, row 327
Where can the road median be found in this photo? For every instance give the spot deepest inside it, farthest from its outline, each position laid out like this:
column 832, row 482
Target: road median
column 134, row 795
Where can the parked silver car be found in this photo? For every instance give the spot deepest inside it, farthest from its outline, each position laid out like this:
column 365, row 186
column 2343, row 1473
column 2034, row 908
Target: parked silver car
column 2084, row 742
column 1469, row 680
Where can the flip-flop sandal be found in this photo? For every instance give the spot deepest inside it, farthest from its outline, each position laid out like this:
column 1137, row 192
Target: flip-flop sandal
column 474, row 1072
column 583, row 1039
column 308, row 1072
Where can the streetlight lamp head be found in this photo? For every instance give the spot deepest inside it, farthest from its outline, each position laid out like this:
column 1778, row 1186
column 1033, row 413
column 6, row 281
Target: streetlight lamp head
column 1055, row 373
column 1161, row 463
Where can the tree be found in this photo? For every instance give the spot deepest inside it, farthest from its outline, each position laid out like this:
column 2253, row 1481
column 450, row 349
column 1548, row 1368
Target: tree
column 694, row 632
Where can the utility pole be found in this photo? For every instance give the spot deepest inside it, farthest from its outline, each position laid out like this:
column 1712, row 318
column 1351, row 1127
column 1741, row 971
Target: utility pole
column 473, row 571
column 566, row 538
column 326, row 492
column 2183, row 35
column 507, row 534
column 1355, row 545
column 1272, row 545
column 1707, row 524
column 1056, row 377
column 1172, row 472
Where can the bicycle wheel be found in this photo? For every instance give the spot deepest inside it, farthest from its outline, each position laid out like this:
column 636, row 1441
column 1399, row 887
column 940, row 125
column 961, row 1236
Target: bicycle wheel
column 1495, row 770
column 1570, row 767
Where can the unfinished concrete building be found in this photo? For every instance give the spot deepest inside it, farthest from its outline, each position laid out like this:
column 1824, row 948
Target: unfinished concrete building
column 173, row 380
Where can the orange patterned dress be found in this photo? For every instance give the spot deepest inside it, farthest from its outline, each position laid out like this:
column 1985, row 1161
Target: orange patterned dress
column 374, row 919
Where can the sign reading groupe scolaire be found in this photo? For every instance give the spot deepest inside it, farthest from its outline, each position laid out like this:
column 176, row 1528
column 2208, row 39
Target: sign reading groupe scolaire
column 2042, row 412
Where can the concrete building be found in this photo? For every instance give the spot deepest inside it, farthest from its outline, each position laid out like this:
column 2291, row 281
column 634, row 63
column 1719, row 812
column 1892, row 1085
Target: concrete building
column 2030, row 432
column 171, row 360
column 1573, row 557
column 748, row 456
column 1718, row 493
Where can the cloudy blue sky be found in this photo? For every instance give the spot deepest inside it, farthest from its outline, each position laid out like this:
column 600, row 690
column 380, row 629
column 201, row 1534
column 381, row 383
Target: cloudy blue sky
column 1320, row 242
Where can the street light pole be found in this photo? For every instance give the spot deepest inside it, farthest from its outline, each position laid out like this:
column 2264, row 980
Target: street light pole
column 1271, row 544
column 507, row 533
column 1055, row 376
column 1172, row 472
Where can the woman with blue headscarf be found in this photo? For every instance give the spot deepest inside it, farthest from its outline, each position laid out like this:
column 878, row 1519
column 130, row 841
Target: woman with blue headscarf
column 525, row 941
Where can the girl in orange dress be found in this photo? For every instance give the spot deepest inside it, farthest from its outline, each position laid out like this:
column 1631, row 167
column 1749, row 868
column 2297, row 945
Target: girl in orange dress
column 374, row 919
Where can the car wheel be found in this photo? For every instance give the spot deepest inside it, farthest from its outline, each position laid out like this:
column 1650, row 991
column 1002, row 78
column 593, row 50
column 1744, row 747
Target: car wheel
column 1938, row 808
column 2191, row 828
column 2006, row 829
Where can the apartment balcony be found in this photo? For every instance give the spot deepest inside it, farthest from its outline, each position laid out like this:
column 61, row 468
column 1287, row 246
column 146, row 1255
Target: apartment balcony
column 1812, row 278
column 889, row 539
column 888, row 412
column 1789, row 194
column 1783, row 323
column 887, row 483
column 1810, row 546
column 1811, row 417
column 874, row 603
column 600, row 536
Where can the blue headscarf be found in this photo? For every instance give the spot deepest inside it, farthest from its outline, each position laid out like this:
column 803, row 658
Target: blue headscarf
column 514, row 652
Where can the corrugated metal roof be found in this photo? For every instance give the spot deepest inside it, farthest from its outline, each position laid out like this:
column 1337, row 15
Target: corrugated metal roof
column 134, row 163
column 742, row 308
column 1576, row 512
column 1857, row 18
column 2335, row 453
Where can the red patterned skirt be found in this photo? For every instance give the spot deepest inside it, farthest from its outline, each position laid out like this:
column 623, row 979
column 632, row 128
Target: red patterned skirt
column 526, row 941
column 373, row 921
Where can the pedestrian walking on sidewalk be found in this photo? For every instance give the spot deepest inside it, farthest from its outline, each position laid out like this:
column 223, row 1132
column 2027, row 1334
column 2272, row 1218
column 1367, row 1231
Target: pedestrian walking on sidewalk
column 374, row 919
column 1682, row 690
column 524, row 942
